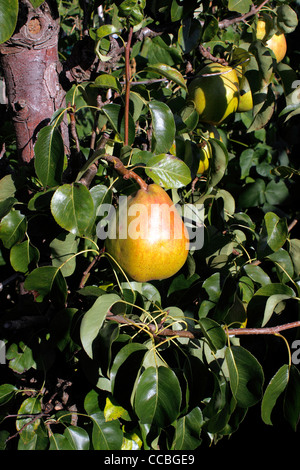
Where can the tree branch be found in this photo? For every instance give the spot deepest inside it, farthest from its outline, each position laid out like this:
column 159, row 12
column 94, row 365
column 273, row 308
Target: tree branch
column 253, row 10
column 193, row 334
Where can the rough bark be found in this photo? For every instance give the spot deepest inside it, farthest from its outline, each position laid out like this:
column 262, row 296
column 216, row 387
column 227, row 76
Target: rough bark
column 31, row 70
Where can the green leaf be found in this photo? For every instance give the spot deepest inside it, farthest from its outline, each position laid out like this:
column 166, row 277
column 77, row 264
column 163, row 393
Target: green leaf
column 30, row 406
column 292, row 398
column 257, row 274
column 276, row 192
column 274, row 389
column 294, row 250
column 284, row 265
column 47, row 280
column 188, row 429
column 273, row 234
column 189, row 34
column 93, row 320
column 163, row 127
column 115, row 115
column 158, row 397
column 12, row 228
column 106, row 80
column 72, row 207
column 252, row 194
column 106, row 435
column 219, row 162
column 125, row 369
column 7, row 391
column 246, row 376
column 49, row 156
column 286, row 19
column 36, row 3
column 7, row 187
column 77, row 437
column 213, row 332
column 169, row 72
column 265, row 300
column 20, row 357
column 63, row 250
column 59, row 442
column 168, row 171
column 22, row 255
column 241, row 6
column 6, row 205
column 8, row 18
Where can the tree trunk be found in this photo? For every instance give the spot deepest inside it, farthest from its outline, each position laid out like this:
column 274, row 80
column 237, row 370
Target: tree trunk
column 31, row 68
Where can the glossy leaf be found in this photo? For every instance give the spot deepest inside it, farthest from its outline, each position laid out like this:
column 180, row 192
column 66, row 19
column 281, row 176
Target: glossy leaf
column 188, row 430
column 265, row 300
column 115, row 115
column 169, row 72
column 49, row 156
column 106, row 80
column 168, row 171
column 47, row 280
column 189, row 34
column 6, row 205
column 257, row 274
column 77, row 437
column 106, row 435
column 22, row 255
column 163, row 127
column 8, row 18
column 12, row 228
column 7, row 392
column 219, row 162
column 93, row 320
column 213, row 332
column 246, row 376
column 125, row 369
column 158, row 397
column 63, row 250
column 30, row 406
column 273, row 234
column 274, row 389
column 292, row 397
column 72, row 207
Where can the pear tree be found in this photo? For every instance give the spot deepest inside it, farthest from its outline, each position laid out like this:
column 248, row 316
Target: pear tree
column 123, row 326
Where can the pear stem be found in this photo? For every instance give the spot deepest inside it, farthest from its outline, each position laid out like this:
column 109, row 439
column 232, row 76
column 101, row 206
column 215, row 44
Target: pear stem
column 123, row 171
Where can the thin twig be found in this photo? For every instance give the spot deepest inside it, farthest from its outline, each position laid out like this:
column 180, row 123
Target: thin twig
column 273, row 330
column 253, row 10
column 193, row 334
column 71, row 111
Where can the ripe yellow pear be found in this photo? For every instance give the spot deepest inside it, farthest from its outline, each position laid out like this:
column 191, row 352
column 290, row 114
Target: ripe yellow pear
column 277, row 42
column 148, row 238
column 215, row 93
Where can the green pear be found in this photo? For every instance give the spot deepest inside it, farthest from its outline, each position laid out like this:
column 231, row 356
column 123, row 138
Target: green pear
column 148, row 238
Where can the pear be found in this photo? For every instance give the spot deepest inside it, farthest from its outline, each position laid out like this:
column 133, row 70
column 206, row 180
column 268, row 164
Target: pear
column 147, row 238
